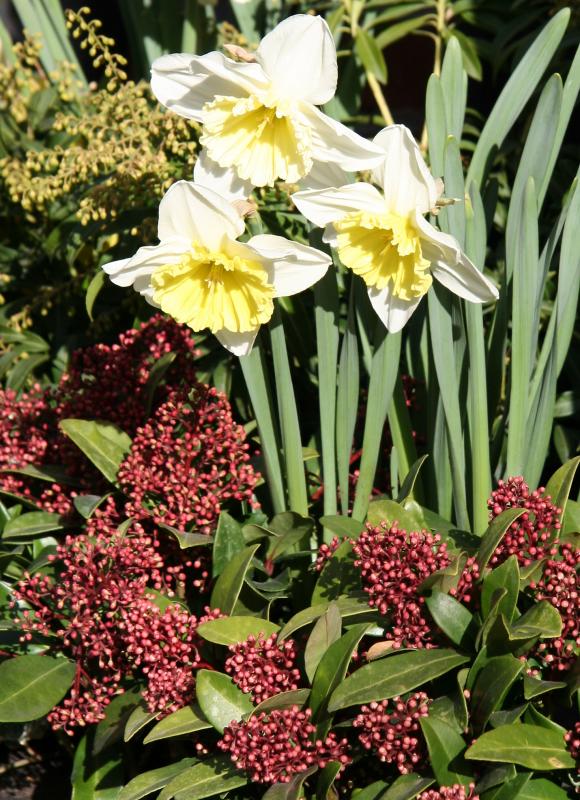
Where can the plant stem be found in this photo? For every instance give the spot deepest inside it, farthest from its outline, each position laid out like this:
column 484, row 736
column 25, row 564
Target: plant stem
column 380, row 99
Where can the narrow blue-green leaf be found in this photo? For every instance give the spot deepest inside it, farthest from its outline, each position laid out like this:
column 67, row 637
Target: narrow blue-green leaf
column 256, row 378
column 516, row 94
column 384, row 369
column 402, row 435
column 454, row 86
column 346, row 402
column 326, row 317
column 568, row 280
column 540, row 422
column 288, row 414
column 442, row 347
column 523, row 296
column 436, row 124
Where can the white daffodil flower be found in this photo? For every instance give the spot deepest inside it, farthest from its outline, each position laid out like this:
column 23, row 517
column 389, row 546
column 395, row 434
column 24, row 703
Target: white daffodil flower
column 259, row 116
column 384, row 237
column 202, row 276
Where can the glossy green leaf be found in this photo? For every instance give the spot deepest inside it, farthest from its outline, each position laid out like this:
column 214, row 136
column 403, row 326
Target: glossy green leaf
column 350, row 608
column 526, row 745
column 410, row 479
column 506, row 576
column 385, row 510
column 228, row 542
column 559, row 485
column 342, row 526
column 93, row 291
column 394, row 676
column 32, row 524
column 153, row 780
column 339, row 576
column 295, row 697
column 229, row 584
column 103, row 443
column 495, row 533
column 541, row 620
column 326, row 780
column 156, row 376
column 491, row 687
column 534, row 687
column 405, row 787
column 184, row 720
column 95, row 776
column 452, row 617
column 213, row 776
column 445, row 748
column 220, row 700
column 231, row 630
column 542, row 789
column 187, row 539
column 110, row 729
column 291, row 790
column 30, row 686
column 139, row 719
column 325, row 632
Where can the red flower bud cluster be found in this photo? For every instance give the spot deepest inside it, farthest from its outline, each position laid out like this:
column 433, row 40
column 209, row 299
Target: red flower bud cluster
column 273, row 747
column 528, row 537
column 560, row 586
column 455, row 792
column 325, row 553
column 393, row 564
column 389, row 728
column 573, row 741
column 189, row 459
column 263, row 667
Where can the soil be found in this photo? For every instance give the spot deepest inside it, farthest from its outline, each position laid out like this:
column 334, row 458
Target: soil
column 37, row 770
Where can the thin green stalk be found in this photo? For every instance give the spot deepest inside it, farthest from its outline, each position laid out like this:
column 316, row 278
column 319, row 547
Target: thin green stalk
column 384, row 371
column 347, row 396
column 288, row 415
column 255, row 375
column 326, row 317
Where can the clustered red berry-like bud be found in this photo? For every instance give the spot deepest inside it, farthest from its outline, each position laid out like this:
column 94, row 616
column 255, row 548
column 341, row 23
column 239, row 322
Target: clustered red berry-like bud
column 389, row 728
column 464, row 591
column 528, row 537
column 455, row 792
column 273, row 747
column 188, row 460
column 560, row 586
column 326, row 551
column 573, row 741
column 393, row 564
column 264, row 667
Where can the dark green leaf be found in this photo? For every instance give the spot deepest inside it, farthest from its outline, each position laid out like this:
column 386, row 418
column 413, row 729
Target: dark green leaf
column 409, row 483
column 533, row 687
column 153, row 780
column 405, row 787
column 325, row 632
column 452, row 617
column 228, row 542
column 495, row 533
column 93, row 290
column 326, row 779
column 385, row 510
column 85, row 504
column 559, row 485
column 95, row 777
column 31, row 524
column 158, row 372
column 295, row 697
column 290, row 790
column 205, row 779
column 445, row 747
column 103, row 443
column 231, row 630
column 370, row 54
column 187, row 539
column 349, row 607
column 491, row 687
column 542, row 789
column 394, row 676
column 220, row 699
column 541, row 620
column 30, row 686
column 527, row 745
column 117, row 713
column 229, row 584
column 372, row 792
column 506, row 576
column 342, row 526
column 185, row 720
column 339, row 576
column 137, row 721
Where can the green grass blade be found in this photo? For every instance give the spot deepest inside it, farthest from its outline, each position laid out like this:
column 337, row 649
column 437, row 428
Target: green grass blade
column 402, row 435
column 326, row 317
column 384, row 369
column 347, row 401
column 523, row 296
column 516, row 94
column 255, row 375
column 288, row 415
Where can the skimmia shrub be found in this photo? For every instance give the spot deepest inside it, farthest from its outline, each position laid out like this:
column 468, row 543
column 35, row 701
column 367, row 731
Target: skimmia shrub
column 392, row 322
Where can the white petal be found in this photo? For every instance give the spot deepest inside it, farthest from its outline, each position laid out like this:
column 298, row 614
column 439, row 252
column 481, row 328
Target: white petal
column 465, row 280
column 403, row 173
column 184, row 83
column 223, row 180
column 138, row 268
column 299, row 57
column 240, row 344
column 322, row 175
column 335, row 143
column 293, row 267
column 197, row 214
column 329, row 205
column 436, row 245
column 393, row 312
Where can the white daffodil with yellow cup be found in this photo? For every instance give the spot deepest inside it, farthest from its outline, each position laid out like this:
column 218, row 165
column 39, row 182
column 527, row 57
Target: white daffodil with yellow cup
column 201, row 275
column 383, row 236
column 259, row 116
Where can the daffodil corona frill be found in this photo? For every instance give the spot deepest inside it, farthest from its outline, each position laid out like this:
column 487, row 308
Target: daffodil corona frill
column 202, row 276
column 383, row 236
column 259, row 115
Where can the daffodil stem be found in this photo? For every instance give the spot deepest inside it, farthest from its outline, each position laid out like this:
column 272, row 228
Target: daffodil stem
column 384, row 370
column 380, row 99
column 288, row 415
column 255, row 375
column 326, row 317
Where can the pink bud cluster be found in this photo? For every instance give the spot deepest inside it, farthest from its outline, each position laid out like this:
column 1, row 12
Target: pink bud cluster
column 393, row 564
column 189, row 459
column 560, row 586
column 389, row 728
column 455, row 792
column 573, row 741
column 264, row 667
column 528, row 537
column 326, row 551
column 273, row 747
